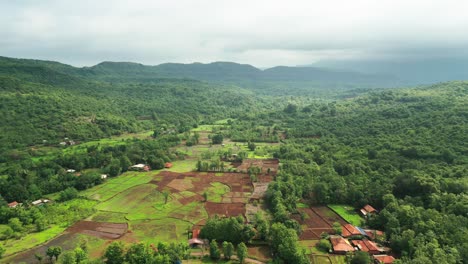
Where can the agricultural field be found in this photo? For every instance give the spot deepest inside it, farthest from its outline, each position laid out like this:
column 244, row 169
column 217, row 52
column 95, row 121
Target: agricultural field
column 161, row 205
column 327, row 259
column 348, row 213
column 316, row 220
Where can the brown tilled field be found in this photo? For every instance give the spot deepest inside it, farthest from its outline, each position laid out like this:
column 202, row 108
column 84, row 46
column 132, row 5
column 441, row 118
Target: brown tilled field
column 265, row 164
column 318, row 219
column 225, row 209
column 99, row 229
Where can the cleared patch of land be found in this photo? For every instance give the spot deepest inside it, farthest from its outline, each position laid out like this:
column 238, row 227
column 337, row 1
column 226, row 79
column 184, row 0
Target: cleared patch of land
column 348, row 213
column 316, row 220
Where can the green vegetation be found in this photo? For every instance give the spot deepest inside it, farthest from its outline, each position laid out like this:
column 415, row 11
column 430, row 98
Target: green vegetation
column 402, row 150
column 31, row 240
column 348, row 213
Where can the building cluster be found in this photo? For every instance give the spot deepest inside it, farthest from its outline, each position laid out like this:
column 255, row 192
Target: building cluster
column 354, row 238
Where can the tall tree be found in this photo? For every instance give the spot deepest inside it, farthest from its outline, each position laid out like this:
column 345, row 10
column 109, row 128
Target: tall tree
column 241, row 252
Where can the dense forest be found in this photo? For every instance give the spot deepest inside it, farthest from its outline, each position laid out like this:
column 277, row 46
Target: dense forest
column 402, row 150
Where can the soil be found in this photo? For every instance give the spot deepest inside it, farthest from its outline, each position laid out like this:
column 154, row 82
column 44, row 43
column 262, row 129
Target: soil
column 225, row 209
column 318, row 219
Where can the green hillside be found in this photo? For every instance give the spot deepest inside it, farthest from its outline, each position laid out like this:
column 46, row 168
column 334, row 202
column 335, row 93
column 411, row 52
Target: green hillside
column 401, row 150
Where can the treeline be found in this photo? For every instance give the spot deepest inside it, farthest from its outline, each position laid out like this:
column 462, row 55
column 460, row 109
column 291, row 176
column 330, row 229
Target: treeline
column 119, row 253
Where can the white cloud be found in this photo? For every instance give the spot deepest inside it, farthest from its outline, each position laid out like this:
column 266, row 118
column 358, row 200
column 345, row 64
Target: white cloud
column 263, row 33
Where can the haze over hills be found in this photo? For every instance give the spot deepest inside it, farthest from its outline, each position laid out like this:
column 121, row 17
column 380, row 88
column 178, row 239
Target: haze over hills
column 409, row 72
column 288, row 79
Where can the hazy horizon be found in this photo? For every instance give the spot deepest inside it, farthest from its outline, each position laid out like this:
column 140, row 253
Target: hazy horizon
column 258, row 33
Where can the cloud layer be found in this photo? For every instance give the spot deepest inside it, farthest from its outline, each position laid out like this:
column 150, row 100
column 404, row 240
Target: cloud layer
column 262, row 33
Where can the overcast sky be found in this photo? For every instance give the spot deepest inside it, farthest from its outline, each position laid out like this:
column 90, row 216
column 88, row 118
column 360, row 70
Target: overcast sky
column 261, row 33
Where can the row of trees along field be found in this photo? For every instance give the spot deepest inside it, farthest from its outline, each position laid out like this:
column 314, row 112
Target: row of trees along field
column 403, row 151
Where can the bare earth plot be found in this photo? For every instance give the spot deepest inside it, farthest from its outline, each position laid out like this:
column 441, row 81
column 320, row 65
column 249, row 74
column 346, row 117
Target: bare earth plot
column 68, row 239
column 316, row 220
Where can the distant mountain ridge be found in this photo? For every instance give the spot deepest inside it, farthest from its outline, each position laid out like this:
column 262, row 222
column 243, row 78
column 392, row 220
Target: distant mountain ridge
column 296, row 79
column 409, row 71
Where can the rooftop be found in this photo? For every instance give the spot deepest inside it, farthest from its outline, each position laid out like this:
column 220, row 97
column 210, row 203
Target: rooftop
column 340, row 244
column 386, row 259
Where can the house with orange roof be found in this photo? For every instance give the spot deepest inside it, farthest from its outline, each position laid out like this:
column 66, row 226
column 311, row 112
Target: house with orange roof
column 368, row 210
column 375, row 234
column 349, row 230
column 383, row 259
column 368, row 246
column 340, row 245
column 13, row 204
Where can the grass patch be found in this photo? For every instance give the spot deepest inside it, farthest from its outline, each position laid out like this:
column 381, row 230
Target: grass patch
column 113, row 186
column 320, row 259
column 130, row 199
column 309, row 246
column 183, row 165
column 301, row 205
column 336, row 259
column 112, row 217
column 167, row 230
column 13, row 246
column 348, row 213
column 216, row 191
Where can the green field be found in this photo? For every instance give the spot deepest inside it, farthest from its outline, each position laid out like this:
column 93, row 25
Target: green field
column 348, row 213
column 113, row 186
column 216, row 191
column 31, row 240
column 183, row 165
column 309, row 246
column 166, row 229
column 328, row 259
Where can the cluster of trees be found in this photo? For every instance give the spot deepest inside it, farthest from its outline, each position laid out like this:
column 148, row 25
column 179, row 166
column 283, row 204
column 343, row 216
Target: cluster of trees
column 228, row 250
column 230, row 229
column 246, row 130
column 162, row 253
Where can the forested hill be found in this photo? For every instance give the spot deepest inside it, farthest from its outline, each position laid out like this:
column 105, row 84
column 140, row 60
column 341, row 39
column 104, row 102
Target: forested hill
column 50, row 101
column 278, row 80
column 293, row 80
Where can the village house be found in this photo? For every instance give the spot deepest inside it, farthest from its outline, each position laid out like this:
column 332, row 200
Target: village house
column 349, row 230
column 383, row 259
column 40, row 202
column 103, row 176
column 195, row 241
column 340, row 245
column 13, row 204
column 168, row 165
column 368, row 210
column 375, row 234
column 368, row 246
column 140, row 167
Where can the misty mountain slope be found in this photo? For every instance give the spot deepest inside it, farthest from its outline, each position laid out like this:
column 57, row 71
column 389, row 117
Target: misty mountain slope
column 410, row 72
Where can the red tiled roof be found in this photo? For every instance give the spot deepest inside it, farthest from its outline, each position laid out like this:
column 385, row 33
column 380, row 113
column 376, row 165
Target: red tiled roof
column 168, row 165
column 369, row 209
column 386, row 259
column 373, row 233
column 366, row 245
column 13, row 204
column 349, row 230
column 195, row 233
column 340, row 244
